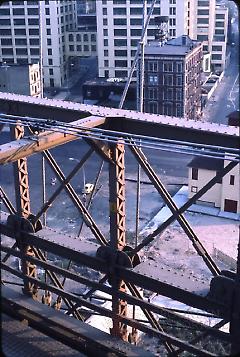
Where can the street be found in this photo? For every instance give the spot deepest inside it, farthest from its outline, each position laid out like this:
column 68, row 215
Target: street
column 171, row 168
column 226, row 97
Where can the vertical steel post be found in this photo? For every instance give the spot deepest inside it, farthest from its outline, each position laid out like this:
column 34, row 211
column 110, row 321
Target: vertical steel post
column 23, row 208
column 117, row 232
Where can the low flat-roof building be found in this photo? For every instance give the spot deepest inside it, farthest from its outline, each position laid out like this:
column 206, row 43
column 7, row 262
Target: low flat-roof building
column 20, row 79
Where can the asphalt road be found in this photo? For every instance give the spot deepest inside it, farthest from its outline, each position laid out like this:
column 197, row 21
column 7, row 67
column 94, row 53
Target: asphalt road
column 171, row 168
column 226, row 97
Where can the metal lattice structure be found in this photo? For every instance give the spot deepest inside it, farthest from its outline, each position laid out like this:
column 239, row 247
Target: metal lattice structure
column 113, row 258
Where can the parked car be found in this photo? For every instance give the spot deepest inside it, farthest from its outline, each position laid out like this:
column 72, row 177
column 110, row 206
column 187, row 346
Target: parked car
column 88, row 188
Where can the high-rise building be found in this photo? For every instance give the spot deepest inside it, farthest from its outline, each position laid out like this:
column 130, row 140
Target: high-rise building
column 119, row 28
column 172, row 78
column 24, row 24
column 210, row 27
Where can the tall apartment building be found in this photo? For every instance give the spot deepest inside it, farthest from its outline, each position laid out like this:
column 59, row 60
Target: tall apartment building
column 210, row 27
column 119, row 27
column 21, row 25
column 172, row 78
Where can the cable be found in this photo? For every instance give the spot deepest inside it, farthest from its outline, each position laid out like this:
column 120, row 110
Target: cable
column 114, row 137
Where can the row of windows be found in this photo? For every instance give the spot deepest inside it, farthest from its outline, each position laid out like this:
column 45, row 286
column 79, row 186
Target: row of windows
column 195, row 176
column 155, row 66
column 167, row 109
column 21, row 42
column 79, row 37
column 166, row 94
column 135, row 11
column 85, row 48
column 19, row 11
column 20, row 51
column 167, row 79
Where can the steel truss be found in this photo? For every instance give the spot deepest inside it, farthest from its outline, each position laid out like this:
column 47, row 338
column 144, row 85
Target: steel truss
column 114, row 259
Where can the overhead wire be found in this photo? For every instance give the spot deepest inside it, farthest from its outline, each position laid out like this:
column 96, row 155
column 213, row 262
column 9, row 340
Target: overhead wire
column 170, row 145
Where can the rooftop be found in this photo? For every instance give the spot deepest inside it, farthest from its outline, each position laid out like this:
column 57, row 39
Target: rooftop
column 206, row 163
column 176, row 46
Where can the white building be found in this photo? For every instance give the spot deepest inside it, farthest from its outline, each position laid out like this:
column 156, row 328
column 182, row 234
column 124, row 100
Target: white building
column 20, row 35
column 119, row 27
column 225, row 194
column 21, row 79
column 208, row 24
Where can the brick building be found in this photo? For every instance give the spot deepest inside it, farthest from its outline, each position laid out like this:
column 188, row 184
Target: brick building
column 172, row 83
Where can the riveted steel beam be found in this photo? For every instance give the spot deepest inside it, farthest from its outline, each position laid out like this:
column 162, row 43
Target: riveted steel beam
column 22, row 197
column 117, row 232
column 27, row 146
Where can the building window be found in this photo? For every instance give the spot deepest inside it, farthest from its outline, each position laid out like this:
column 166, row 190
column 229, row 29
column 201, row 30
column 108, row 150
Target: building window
column 194, row 189
column 70, row 37
column 232, row 178
column 179, row 66
column 119, row 11
column 106, row 64
column 120, row 32
column 120, row 63
column 167, row 67
column 71, row 48
column 179, row 80
column 172, row 2
column 217, row 48
column 120, row 53
column 152, row 66
column 219, row 24
column 120, row 42
column 172, row 32
column 216, row 57
column 168, row 79
column 50, row 71
column 104, row 10
column 153, row 80
column 105, row 22
column 172, row 11
column 203, row 12
column 179, row 94
column 50, row 62
column 172, row 22
column 121, row 74
column 105, row 52
column 32, row 11
column 136, row 32
column 50, row 52
column 105, row 42
column 153, row 107
column 194, row 173
column 120, row 22
column 152, row 93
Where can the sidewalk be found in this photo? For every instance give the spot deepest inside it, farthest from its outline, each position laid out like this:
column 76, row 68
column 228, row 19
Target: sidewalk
column 180, row 198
